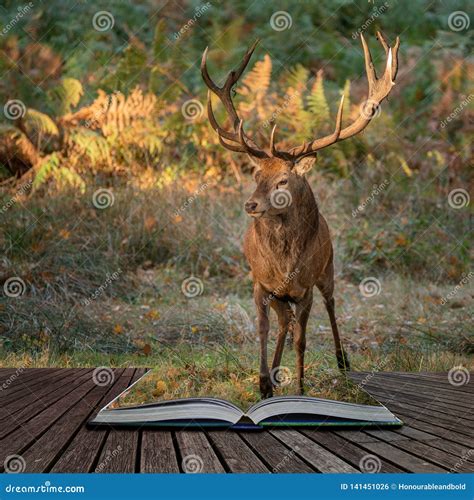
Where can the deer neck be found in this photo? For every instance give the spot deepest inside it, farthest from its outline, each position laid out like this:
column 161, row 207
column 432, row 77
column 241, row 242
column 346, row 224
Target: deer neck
column 288, row 235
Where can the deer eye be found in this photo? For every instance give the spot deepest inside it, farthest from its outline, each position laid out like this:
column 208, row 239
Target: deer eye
column 283, row 182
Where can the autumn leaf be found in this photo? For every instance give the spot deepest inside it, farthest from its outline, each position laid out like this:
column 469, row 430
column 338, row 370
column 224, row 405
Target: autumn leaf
column 118, row 329
column 65, row 234
column 147, row 349
column 152, row 314
column 401, row 241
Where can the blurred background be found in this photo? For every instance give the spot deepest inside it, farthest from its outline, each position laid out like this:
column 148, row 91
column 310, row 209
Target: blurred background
column 122, row 217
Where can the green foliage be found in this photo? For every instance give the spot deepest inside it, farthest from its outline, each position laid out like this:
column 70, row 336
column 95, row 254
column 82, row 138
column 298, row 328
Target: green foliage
column 66, row 95
column 41, row 123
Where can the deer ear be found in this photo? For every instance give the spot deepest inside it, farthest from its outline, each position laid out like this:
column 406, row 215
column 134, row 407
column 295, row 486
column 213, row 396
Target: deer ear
column 256, row 166
column 304, row 165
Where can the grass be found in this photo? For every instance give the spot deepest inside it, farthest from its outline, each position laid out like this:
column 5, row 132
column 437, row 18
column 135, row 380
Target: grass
column 105, row 286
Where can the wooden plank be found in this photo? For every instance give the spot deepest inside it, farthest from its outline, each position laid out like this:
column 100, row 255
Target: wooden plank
column 423, row 402
column 37, row 399
column 27, row 383
column 320, row 458
column 235, row 452
column 406, row 389
column 11, row 423
column 196, row 453
column 157, row 452
column 42, row 453
column 429, row 383
column 276, row 456
column 83, row 451
column 345, row 449
column 119, row 453
column 20, row 439
column 440, row 457
column 403, row 459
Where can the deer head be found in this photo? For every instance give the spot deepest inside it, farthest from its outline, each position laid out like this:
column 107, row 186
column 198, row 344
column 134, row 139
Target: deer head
column 280, row 174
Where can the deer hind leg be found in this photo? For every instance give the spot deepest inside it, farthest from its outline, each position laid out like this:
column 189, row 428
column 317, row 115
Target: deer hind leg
column 261, row 298
column 327, row 291
column 303, row 308
column 285, row 319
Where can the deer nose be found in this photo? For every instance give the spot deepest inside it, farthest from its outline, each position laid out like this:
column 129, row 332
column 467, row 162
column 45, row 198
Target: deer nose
column 251, row 206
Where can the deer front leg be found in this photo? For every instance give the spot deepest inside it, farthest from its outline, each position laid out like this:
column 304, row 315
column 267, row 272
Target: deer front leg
column 285, row 317
column 261, row 298
column 303, row 308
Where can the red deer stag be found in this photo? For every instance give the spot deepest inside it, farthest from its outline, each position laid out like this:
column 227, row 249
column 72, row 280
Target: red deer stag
column 288, row 246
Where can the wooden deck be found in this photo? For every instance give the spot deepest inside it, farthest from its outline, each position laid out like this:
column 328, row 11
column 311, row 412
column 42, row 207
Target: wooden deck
column 43, row 413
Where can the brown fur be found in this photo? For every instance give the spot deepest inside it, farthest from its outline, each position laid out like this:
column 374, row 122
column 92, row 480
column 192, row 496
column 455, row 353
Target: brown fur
column 289, row 251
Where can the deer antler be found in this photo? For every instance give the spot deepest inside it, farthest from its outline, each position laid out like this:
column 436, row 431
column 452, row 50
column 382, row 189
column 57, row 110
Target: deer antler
column 379, row 88
column 244, row 144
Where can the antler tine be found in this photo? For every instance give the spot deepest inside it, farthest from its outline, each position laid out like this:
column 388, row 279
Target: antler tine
column 224, row 94
column 379, row 88
column 274, row 151
column 249, row 149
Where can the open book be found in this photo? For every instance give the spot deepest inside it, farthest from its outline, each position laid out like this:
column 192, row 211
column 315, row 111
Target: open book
column 351, row 406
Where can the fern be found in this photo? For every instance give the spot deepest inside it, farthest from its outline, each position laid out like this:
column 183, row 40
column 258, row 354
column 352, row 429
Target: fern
column 67, row 95
column 346, row 91
column 45, row 170
column 318, row 104
column 88, row 143
column 40, row 122
column 255, row 86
